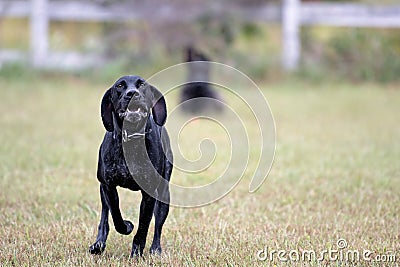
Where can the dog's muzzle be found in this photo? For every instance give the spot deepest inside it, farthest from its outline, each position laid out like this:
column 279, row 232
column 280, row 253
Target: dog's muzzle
column 133, row 114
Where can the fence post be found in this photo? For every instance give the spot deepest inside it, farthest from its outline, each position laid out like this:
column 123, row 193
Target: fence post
column 290, row 34
column 39, row 24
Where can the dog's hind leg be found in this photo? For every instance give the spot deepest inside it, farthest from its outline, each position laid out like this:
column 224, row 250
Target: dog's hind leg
column 110, row 195
column 146, row 213
column 161, row 210
column 100, row 244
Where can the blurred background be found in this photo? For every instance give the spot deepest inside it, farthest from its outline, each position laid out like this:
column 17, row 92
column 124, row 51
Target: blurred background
column 357, row 40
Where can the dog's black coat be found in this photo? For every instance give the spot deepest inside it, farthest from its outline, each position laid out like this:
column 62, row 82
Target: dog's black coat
column 129, row 101
column 198, row 89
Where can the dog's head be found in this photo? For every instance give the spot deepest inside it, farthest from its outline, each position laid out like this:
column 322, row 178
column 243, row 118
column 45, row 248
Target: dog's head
column 131, row 98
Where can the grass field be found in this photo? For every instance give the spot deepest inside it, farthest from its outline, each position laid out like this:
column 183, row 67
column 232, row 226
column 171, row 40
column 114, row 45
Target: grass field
column 336, row 175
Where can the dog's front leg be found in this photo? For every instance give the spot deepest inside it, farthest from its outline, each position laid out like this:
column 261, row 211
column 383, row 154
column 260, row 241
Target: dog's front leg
column 100, row 244
column 146, row 213
column 111, row 197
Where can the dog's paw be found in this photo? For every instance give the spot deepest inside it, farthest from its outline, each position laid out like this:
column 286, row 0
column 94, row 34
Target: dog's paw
column 126, row 229
column 136, row 251
column 155, row 250
column 129, row 227
column 97, row 248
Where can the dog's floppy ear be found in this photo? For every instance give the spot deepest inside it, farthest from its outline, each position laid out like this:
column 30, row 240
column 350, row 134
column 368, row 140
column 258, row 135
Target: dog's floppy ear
column 107, row 111
column 159, row 109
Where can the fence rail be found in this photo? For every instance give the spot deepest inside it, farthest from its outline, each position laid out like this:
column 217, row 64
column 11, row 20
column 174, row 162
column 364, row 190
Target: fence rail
column 349, row 14
column 292, row 14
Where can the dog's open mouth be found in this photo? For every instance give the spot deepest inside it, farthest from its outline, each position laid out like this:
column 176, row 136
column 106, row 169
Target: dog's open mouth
column 133, row 113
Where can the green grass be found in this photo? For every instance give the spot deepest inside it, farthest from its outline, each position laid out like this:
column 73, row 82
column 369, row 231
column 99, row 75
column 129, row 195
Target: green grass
column 336, row 175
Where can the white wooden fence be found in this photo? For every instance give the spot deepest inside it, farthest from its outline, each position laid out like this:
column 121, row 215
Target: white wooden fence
column 295, row 14
column 292, row 14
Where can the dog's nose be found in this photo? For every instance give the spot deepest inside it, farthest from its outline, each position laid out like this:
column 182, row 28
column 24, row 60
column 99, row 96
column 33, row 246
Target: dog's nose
column 132, row 93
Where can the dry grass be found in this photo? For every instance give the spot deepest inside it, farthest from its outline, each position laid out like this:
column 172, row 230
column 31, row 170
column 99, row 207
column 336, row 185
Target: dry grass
column 336, row 175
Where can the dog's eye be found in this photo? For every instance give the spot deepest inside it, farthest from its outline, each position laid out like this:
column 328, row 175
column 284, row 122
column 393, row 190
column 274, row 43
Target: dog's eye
column 139, row 83
column 120, row 86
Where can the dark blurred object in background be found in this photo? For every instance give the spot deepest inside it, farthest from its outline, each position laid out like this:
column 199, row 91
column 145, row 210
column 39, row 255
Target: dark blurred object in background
column 196, row 93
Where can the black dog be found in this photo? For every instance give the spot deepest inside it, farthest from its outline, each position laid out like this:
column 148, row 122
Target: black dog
column 198, row 89
column 143, row 146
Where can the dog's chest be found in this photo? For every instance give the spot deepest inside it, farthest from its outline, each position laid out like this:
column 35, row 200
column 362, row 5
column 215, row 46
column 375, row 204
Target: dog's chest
column 125, row 167
column 114, row 169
